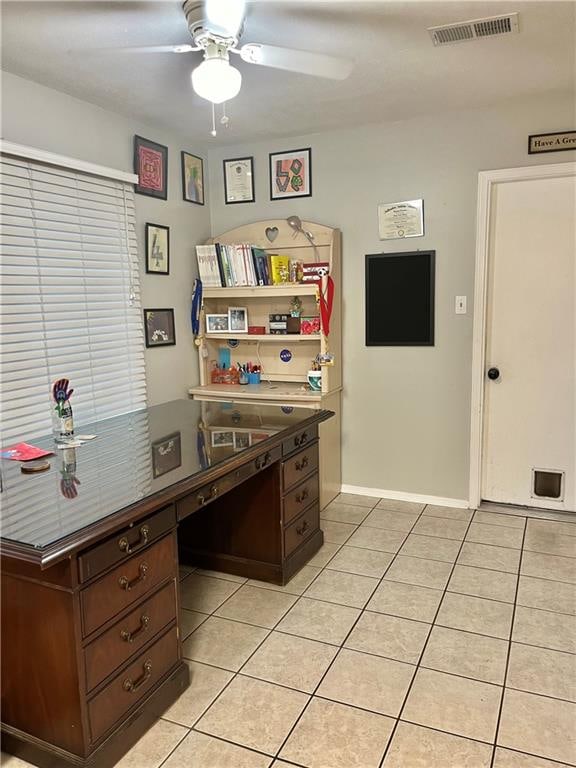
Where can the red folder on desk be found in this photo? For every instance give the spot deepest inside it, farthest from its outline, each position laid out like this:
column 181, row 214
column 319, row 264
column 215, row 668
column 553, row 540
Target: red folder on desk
column 24, row 452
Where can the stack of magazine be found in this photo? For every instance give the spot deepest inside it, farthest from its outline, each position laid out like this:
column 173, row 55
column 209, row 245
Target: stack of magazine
column 229, row 266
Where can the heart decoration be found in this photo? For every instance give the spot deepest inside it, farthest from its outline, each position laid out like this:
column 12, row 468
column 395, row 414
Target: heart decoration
column 271, row 233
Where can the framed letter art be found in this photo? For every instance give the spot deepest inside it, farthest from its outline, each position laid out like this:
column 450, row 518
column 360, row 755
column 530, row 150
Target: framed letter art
column 192, row 178
column 151, row 165
column 290, row 174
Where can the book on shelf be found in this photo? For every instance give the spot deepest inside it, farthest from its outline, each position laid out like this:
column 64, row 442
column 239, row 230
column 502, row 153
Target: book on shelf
column 208, row 268
column 239, row 265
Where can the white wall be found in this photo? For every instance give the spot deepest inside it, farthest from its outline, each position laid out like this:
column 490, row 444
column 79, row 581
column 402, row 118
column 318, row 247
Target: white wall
column 407, row 409
column 41, row 117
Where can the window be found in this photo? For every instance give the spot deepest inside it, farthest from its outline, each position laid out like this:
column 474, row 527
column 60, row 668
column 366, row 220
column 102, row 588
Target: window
column 70, row 296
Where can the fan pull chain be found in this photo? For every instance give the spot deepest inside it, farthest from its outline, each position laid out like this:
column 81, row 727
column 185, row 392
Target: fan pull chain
column 213, row 131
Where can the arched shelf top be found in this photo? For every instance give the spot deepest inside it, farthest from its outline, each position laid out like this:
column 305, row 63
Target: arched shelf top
column 276, row 234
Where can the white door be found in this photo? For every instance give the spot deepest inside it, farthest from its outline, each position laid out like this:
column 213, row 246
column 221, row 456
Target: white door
column 529, row 422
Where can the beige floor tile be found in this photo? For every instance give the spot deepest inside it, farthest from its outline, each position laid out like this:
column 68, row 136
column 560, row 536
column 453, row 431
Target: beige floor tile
column 154, row 747
column 406, row 600
column 421, row 573
column 368, row 682
column 223, row 643
column 205, row 594
column 462, row 653
column 506, row 758
column 184, row 570
column 331, row 735
column 343, row 588
column 201, row 751
column 377, row 538
column 431, row 548
column 476, row 614
column 549, row 542
column 454, row 513
column 391, row 521
column 441, row 527
column 483, row 533
column 541, row 670
column 205, row 684
column 549, row 567
column 364, row 562
column 454, row 704
column 538, row 725
column 222, row 575
column 564, row 529
column 337, row 533
column 317, row 620
column 253, row 605
column 292, row 661
column 390, row 636
column 493, row 518
column 357, row 500
column 9, row 761
column 254, row 714
column 190, row 620
column 401, row 506
column 297, row 584
column 545, row 629
column 487, row 556
column 344, row 513
column 416, row 747
column 324, row 554
column 548, row 595
column 481, row 582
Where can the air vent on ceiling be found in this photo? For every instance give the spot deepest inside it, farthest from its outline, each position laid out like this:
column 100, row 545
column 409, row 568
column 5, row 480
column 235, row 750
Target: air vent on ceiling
column 472, row 30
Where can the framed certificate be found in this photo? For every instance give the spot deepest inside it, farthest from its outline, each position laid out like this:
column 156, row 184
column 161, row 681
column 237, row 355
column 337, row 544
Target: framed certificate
column 399, row 220
column 239, row 180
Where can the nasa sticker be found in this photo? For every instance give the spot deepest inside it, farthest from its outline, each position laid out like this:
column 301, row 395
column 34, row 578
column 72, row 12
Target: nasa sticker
column 286, row 408
column 233, row 343
column 285, row 355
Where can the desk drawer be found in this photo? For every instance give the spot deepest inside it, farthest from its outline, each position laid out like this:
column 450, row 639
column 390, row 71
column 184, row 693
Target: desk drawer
column 129, row 635
column 300, row 497
column 301, row 529
column 125, row 543
column 297, row 467
column 299, row 440
column 127, row 583
column 126, row 690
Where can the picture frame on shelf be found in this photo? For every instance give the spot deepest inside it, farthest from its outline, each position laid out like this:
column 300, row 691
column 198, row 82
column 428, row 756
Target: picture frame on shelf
column 291, row 174
column 239, row 180
column 241, row 441
column 222, row 438
column 151, row 167
column 166, row 454
column 237, row 320
column 157, row 249
column 192, row 178
column 159, row 327
column 217, row 323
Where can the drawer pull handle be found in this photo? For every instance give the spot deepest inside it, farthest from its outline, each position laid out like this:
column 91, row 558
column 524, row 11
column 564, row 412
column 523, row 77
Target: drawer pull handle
column 300, row 439
column 201, row 499
column 127, row 585
column 213, row 491
column 132, row 685
column 302, row 496
column 129, row 637
column 142, row 541
column 263, row 461
column 303, row 528
column 300, row 465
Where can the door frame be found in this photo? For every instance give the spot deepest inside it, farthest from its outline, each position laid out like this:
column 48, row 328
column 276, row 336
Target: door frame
column 486, row 181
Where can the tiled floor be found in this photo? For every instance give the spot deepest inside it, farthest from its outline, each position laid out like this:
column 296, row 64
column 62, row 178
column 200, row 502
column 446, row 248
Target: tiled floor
column 416, row 638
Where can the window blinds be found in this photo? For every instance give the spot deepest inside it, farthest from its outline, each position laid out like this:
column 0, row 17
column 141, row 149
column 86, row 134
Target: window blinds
column 70, row 297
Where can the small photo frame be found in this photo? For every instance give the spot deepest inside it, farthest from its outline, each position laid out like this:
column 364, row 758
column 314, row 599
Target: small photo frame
column 157, row 249
column 216, row 323
column 291, row 174
column 166, row 454
column 241, row 441
column 192, row 178
column 159, row 327
column 151, row 167
column 222, row 438
column 239, row 180
column 237, row 320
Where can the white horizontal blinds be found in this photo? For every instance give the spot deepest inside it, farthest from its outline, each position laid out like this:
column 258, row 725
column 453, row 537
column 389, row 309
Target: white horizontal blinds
column 70, row 297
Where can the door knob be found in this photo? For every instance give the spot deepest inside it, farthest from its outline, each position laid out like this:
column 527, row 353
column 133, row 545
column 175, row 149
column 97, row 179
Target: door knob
column 493, row 374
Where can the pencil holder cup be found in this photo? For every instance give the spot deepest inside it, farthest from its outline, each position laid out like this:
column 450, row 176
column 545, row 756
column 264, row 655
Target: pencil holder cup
column 244, row 377
column 315, row 380
column 254, row 378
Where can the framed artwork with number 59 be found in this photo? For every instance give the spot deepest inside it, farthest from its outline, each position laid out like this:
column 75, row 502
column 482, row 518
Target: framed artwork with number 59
column 291, row 174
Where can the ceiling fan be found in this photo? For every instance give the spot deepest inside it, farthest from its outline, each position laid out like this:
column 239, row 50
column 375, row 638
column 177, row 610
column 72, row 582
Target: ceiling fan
column 216, row 27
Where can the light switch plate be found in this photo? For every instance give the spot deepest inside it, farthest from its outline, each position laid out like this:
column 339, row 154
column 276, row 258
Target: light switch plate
column 460, row 305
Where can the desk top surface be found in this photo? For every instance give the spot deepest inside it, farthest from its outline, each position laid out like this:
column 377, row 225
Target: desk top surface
column 135, row 457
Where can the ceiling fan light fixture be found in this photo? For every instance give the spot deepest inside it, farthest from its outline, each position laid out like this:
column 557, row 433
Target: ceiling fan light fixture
column 216, row 81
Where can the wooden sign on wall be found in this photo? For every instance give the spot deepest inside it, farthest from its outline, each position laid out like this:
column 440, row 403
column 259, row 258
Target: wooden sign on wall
column 551, row 142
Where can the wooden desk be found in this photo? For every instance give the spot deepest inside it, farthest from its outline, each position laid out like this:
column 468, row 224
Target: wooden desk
column 91, row 652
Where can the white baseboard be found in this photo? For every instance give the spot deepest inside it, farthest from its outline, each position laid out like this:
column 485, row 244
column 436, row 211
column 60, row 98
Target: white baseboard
column 402, row 496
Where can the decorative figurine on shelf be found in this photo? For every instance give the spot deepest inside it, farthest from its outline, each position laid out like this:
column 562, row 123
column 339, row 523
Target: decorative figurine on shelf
column 63, row 422
column 295, row 306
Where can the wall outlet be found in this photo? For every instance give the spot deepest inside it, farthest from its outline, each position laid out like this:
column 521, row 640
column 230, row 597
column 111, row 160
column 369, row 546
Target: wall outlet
column 460, row 305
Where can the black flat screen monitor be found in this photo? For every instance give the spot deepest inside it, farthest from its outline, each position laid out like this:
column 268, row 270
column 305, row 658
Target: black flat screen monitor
column 400, row 299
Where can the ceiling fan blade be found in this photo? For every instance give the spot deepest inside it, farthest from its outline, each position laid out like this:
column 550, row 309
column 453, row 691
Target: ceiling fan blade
column 159, row 49
column 225, row 16
column 306, row 62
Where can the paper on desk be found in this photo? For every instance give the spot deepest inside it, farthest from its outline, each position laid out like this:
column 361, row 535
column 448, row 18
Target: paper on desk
column 24, row 452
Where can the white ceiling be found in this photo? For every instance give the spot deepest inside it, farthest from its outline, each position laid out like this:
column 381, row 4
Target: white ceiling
column 398, row 72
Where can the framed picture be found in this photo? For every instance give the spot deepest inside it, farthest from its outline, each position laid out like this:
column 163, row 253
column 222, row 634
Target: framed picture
column 402, row 219
column 241, row 441
column 221, row 438
column 166, row 454
column 151, row 165
column 239, row 180
column 157, row 249
column 159, row 327
column 291, row 174
column 217, row 323
column 238, row 319
column 192, row 178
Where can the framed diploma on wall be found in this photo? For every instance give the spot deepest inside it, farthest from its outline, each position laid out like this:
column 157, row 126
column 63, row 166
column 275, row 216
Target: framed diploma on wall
column 239, row 180
column 399, row 220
